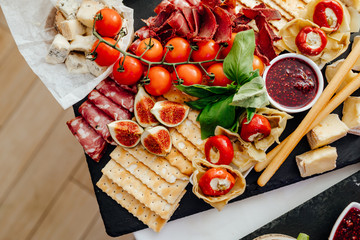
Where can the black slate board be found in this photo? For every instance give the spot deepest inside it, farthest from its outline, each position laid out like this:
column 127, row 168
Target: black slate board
column 119, row 221
column 317, row 216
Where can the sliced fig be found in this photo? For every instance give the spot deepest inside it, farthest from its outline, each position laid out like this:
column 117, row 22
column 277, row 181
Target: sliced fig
column 170, row 114
column 126, row 133
column 143, row 104
column 157, row 140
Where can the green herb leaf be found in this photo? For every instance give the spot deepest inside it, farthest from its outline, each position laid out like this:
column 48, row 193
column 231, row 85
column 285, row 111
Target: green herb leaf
column 251, row 95
column 201, row 103
column 203, row 91
column 303, row 236
column 238, row 63
column 250, row 112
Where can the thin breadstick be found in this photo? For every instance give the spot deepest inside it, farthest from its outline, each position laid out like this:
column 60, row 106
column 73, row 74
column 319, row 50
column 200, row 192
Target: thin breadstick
column 299, row 132
column 334, row 103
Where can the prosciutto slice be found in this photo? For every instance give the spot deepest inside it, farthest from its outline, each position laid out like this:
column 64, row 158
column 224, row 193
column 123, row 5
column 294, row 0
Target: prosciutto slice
column 223, row 32
column 117, row 94
column 178, row 22
column 208, row 25
column 97, row 119
column 107, row 106
column 92, row 142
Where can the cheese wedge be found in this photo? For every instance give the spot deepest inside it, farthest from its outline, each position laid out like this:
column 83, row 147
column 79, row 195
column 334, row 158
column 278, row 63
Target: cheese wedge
column 317, row 161
column 351, row 114
column 327, row 131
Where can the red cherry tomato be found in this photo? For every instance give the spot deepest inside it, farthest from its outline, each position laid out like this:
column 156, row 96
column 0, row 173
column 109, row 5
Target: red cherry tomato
column 155, row 51
column 322, row 17
column 207, row 51
column 160, row 81
column 219, row 150
column 220, row 77
column 225, row 51
column 189, row 73
column 216, row 182
column 108, row 22
column 180, row 52
column 105, row 55
column 258, row 128
column 132, row 72
column 304, row 45
column 258, row 64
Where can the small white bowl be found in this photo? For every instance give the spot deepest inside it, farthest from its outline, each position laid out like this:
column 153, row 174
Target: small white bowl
column 274, row 236
column 318, row 75
column 341, row 217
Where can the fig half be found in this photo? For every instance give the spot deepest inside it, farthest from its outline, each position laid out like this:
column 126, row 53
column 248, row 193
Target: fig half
column 170, row 114
column 143, row 104
column 157, row 140
column 125, row 133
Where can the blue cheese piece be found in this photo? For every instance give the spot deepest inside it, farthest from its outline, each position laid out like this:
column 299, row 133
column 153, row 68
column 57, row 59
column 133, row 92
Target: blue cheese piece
column 327, row 131
column 68, row 8
column 76, row 63
column 82, row 43
column 94, row 68
column 59, row 17
column 87, row 11
column 351, row 114
column 71, row 28
column 59, row 50
column 317, row 161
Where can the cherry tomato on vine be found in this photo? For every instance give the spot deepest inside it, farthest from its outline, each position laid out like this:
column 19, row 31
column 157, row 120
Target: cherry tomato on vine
column 155, row 51
column 258, row 64
column 220, row 77
column 132, row 72
column 207, row 51
column 190, row 73
column 105, row 55
column 219, row 150
column 225, row 51
column 160, row 81
column 180, row 52
column 108, row 23
column 216, row 182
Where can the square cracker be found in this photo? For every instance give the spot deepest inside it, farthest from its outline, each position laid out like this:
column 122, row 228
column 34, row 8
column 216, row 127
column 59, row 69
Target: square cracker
column 168, row 191
column 127, row 201
column 140, row 191
column 192, row 133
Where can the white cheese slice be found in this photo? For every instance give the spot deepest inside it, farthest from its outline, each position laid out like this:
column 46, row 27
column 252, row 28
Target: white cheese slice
column 87, row 11
column 76, row 63
column 59, row 50
column 317, row 161
column 82, row 43
column 94, row 68
column 351, row 114
column 327, row 131
column 68, row 8
column 71, row 28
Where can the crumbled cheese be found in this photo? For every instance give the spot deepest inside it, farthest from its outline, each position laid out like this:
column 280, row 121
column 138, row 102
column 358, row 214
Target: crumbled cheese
column 313, row 40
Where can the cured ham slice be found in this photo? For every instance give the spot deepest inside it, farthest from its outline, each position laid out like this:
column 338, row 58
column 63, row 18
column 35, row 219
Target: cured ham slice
column 93, row 144
column 223, row 32
column 178, row 22
column 109, row 107
column 97, row 119
column 208, row 25
column 117, row 94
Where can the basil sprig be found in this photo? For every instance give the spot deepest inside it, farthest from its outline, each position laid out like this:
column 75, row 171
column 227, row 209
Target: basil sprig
column 223, row 105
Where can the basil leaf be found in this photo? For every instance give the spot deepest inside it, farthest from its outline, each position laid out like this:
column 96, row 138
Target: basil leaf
column 250, row 112
column 236, row 125
column 238, row 63
column 202, row 91
column 201, row 103
column 219, row 113
column 251, row 95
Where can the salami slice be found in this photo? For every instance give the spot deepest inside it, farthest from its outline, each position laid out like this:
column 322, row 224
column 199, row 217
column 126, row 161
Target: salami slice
column 93, row 144
column 97, row 119
column 113, row 110
column 117, row 94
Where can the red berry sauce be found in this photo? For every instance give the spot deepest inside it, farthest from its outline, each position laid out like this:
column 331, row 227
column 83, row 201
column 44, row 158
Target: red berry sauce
column 349, row 228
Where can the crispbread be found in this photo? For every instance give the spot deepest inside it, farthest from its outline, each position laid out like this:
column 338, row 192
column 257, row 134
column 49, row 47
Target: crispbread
column 192, row 133
column 293, row 7
column 193, row 115
column 178, row 160
column 176, row 95
column 158, row 164
column 140, row 191
column 184, row 146
column 168, row 191
column 127, row 201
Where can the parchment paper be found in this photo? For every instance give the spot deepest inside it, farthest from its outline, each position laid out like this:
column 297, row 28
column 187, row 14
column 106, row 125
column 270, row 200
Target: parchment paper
column 31, row 24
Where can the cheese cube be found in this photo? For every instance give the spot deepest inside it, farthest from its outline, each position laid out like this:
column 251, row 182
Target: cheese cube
column 327, row 131
column 76, row 63
column 94, row 68
column 87, row 11
column 68, row 8
column 59, row 50
column 71, row 28
column 351, row 114
column 317, row 161
column 82, row 43
column 59, row 17
column 89, row 31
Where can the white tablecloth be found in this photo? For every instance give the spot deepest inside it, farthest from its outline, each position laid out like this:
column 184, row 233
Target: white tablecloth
column 243, row 217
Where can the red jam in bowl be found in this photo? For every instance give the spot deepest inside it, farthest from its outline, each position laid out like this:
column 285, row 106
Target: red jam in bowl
column 349, row 227
column 291, row 82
